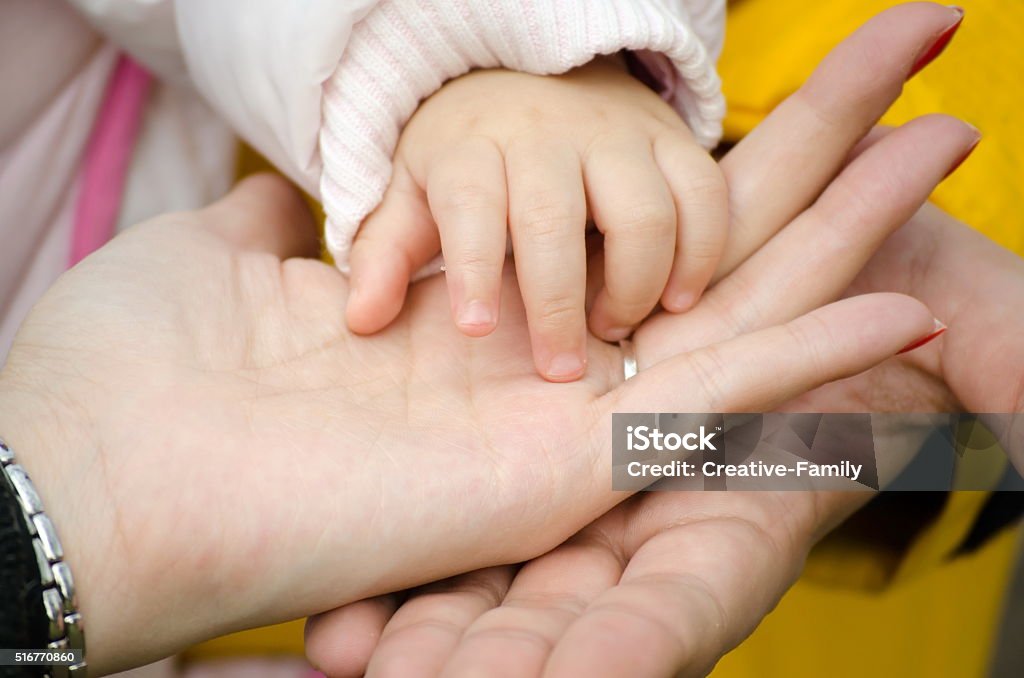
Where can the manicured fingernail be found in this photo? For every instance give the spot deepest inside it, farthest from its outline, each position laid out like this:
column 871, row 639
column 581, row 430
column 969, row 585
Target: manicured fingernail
column 565, row 366
column 962, row 158
column 938, row 328
column 936, row 48
column 617, row 333
column 476, row 314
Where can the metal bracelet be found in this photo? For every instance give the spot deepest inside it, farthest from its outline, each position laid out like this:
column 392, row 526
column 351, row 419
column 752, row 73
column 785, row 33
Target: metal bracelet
column 65, row 630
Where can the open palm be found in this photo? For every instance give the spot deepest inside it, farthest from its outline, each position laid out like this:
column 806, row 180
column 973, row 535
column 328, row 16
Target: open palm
column 685, row 576
column 217, row 448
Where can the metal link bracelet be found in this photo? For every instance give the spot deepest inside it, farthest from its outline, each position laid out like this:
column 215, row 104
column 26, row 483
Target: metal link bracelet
column 65, row 630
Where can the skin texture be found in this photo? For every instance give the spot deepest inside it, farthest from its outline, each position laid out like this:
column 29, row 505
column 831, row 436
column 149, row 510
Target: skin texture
column 497, row 154
column 200, row 422
column 680, row 578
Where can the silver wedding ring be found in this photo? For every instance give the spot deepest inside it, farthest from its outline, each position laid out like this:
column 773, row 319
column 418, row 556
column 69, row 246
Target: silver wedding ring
column 629, row 368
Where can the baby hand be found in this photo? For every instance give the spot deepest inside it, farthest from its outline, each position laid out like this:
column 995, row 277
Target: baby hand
column 498, row 151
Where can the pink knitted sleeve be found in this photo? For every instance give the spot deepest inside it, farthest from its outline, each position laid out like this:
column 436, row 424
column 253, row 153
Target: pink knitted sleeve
column 404, row 50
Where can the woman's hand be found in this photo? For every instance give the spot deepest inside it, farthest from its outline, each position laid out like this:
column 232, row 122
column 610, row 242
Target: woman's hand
column 974, row 285
column 217, row 451
column 669, row 581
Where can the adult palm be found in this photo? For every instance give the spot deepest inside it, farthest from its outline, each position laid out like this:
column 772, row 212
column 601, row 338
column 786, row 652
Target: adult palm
column 219, row 452
column 666, row 582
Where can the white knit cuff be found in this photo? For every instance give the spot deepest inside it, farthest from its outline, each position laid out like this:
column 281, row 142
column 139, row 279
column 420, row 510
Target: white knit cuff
column 404, row 50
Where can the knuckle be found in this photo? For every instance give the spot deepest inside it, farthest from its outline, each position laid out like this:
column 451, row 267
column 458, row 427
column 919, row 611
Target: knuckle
column 810, row 333
column 737, row 318
column 822, row 107
column 570, row 603
column 475, row 263
column 709, row 371
column 856, row 210
column 466, row 197
column 549, row 220
column 702, row 253
column 708, row 187
column 874, row 73
column 864, row 210
column 505, row 632
column 601, row 142
column 557, row 313
column 629, row 304
column 474, row 585
column 653, row 220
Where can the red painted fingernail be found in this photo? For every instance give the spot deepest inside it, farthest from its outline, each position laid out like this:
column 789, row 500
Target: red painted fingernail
column 963, row 157
column 937, row 330
column 937, row 47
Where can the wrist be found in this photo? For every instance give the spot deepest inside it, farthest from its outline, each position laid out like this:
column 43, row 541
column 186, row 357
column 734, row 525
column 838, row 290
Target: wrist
column 36, row 436
column 55, row 445
column 143, row 551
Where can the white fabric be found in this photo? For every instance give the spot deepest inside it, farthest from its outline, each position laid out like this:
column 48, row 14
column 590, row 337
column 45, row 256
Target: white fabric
column 406, row 49
column 37, row 178
column 265, row 65
column 262, row 65
column 184, row 158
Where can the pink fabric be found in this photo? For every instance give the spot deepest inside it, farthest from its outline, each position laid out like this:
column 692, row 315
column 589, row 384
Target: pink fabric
column 107, row 158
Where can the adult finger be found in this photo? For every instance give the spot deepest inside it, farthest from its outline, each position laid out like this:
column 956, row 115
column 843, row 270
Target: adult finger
column 877, row 133
column 808, row 136
column 468, row 198
column 828, row 244
column 547, row 595
column 547, row 214
column 760, row 370
column 928, row 258
column 690, row 593
column 340, row 642
column 421, row 635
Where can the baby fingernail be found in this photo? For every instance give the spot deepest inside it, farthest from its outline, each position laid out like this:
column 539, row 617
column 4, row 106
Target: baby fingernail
column 476, row 314
column 937, row 329
column 683, row 301
column 617, row 333
column 565, row 366
column 936, row 48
